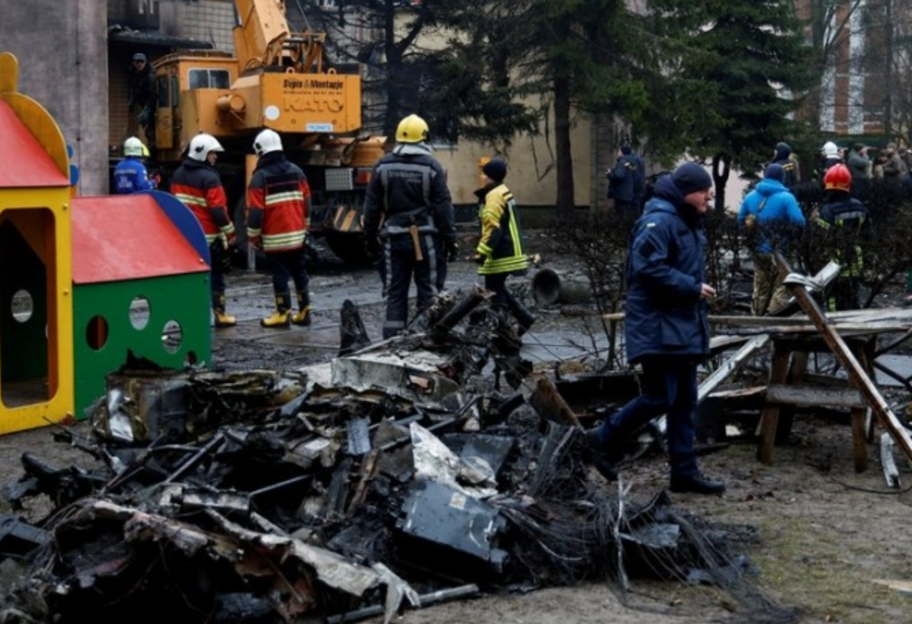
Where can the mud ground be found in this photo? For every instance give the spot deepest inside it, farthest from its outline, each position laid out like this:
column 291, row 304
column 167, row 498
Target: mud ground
column 828, row 538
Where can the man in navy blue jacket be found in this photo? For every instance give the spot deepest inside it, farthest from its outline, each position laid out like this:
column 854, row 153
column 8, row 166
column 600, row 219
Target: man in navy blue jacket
column 666, row 326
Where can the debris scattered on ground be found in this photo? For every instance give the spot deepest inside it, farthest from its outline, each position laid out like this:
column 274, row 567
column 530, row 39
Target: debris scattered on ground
column 378, row 482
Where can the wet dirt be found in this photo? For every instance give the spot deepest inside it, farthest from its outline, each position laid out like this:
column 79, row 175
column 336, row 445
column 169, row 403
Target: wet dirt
column 827, row 537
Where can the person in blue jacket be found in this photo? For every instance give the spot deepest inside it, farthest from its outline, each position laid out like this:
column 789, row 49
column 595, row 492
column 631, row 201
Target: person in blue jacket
column 666, row 326
column 627, row 183
column 131, row 175
column 771, row 217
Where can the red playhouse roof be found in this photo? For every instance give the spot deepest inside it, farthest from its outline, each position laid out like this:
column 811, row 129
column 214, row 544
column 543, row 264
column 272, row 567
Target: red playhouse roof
column 23, row 162
column 126, row 237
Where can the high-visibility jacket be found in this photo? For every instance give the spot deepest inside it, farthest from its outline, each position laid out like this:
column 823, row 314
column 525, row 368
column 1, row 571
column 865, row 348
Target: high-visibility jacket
column 198, row 186
column 278, row 204
column 501, row 238
column 844, row 218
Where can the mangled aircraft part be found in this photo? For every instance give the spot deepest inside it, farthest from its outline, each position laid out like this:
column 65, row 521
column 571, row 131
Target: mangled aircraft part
column 353, row 333
column 18, row 538
column 358, row 436
column 415, row 376
column 458, row 312
column 424, row 600
column 439, row 515
column 890, row 471
column 435, row 462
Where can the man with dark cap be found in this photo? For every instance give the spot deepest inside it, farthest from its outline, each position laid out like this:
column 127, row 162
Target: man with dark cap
column 627, row 183
column 770, row 216
column 783, row 156
column 666, row 327
column 860, row 167
column 499, row 253
column 142, row 99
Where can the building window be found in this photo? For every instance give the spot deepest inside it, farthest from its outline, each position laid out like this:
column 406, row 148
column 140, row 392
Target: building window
column 209, row 79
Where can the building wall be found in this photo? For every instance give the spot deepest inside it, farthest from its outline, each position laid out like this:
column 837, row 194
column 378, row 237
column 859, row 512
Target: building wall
column 204, row 20
column 532, row 174
column 61, row 47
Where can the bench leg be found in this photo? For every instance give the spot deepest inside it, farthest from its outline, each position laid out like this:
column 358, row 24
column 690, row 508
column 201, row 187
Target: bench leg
column 769, row 421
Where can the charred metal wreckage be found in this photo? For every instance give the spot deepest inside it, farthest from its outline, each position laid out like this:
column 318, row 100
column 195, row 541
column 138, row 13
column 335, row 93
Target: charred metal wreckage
column 388, row 478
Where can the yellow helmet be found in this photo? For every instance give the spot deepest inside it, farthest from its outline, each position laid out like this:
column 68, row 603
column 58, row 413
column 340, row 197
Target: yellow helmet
column 412, row 129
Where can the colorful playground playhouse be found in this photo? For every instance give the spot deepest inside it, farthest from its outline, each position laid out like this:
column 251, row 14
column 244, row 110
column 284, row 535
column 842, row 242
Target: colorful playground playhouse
column 87, row 284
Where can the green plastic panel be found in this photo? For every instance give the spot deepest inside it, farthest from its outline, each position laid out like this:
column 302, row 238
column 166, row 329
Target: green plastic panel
column 104, row 332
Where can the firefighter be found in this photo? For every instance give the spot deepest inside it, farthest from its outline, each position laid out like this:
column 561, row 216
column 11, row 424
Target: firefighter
column 278, row 208
column 130, row 174
column 198, row 185
column 843, row 218
column 499, row 253
column 407, row 215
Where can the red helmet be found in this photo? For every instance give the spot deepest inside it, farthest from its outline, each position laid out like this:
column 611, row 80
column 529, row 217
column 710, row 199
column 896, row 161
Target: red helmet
column 837, row 178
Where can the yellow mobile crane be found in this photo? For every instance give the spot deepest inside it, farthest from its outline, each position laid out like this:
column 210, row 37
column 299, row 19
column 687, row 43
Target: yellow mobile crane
column 279, row 80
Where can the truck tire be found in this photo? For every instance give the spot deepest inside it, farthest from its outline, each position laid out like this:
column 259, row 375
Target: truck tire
column 341, row 226
column 349, row 246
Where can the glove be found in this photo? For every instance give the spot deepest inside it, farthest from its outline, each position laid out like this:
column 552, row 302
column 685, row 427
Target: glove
column 256, row 241
column 452, row 251
column 230, row 239
column 480, row 259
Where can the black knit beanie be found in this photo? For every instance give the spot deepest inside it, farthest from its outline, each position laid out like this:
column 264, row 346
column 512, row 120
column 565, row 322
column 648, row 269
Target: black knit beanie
column 691, row 177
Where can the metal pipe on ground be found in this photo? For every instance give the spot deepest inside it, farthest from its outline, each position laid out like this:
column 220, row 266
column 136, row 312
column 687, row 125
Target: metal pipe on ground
column 550, row 287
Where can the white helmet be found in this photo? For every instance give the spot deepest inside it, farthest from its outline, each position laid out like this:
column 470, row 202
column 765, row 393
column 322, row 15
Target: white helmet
column 135, row 147
column 830, row 150
column 267, row 141
column 201, row 145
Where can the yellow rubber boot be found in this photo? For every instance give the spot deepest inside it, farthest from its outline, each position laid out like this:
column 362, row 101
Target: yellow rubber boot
column 282, row 315
column 222, row 318
column 302, row 316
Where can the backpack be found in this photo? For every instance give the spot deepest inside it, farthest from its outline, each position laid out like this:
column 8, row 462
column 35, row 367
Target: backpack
column 750, row 221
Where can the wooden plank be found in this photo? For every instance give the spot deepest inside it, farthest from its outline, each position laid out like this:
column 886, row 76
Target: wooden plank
column 809, row 396
column 855, row 370
column 853, row 328
column 548, row 402
column 730, row 366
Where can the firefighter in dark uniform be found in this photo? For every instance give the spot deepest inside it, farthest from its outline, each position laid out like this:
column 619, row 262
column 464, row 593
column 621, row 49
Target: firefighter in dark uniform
column 499, row 253
column 278, row 209
column 408, row 214
column 843, row 218
column 198, row 185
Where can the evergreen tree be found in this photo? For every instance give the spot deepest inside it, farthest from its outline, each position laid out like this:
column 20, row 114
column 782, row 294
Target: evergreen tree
column 754, row 65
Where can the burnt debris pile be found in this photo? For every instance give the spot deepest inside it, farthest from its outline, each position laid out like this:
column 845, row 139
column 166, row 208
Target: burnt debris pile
column 384, row 480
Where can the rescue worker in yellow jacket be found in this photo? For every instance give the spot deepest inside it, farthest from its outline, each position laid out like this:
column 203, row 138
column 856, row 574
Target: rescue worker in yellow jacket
column 278, row 209
column 499, row 253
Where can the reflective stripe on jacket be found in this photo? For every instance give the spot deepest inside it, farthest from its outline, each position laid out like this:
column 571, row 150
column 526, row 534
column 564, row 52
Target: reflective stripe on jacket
column 198, row 186
column 501, row 237
column 408, row 188
column 844, row 220
column 278, row 204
